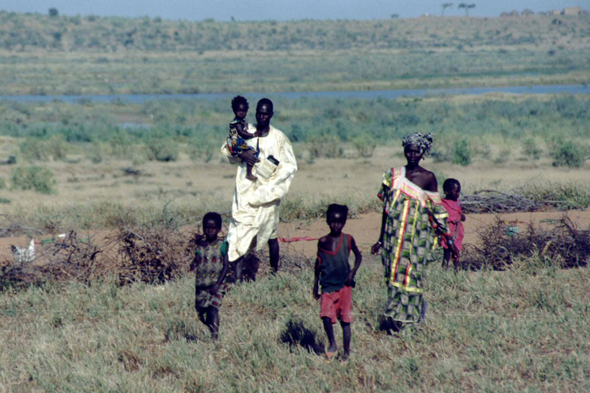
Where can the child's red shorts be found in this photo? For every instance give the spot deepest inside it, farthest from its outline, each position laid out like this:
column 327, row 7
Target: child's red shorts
column 337, row 305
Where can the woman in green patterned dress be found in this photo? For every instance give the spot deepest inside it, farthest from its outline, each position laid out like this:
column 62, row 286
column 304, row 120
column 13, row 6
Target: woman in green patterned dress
column 211, row 266
column 413, row 217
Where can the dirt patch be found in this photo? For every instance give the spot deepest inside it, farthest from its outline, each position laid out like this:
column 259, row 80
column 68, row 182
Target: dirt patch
column 365, row 230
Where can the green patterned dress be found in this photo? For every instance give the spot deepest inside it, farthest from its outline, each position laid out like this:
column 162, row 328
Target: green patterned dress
column 208, row 271
column 408, row 241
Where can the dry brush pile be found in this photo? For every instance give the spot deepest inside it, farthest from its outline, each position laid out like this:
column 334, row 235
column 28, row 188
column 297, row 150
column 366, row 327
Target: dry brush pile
column 562, row 244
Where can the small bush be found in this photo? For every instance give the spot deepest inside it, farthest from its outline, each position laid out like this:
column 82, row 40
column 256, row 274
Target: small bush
column 570, row 154
column 163, row 149
column 365, row 145
column 35, row 178
column 97, row 152
column 2, row 183
column 4, row 201
column 463, row 153
column 58, row 147
column 202, row 150
column 34, row 149
column 531, row 149
column 328, row 146
column 503, row 155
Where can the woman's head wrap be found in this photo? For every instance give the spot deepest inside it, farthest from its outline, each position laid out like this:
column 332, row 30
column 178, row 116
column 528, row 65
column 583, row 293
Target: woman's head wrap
column 423, row 141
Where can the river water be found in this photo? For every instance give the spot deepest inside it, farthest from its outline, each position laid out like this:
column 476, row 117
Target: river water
column 372, row 94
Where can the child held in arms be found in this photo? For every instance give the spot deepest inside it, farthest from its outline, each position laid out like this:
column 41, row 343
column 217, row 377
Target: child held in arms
column 452, row 190
column 333, row 273
column 238, row 132
column 211, row 266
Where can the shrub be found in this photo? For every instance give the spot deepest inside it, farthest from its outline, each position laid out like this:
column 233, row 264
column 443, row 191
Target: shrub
column 503, row 155
column 162, row 149
column 34, row 149
column 35, row 178
column 531, row 149
column 462, row 154
column 58, row 147
column 364, row 145
column 570, row 154
column 328, row 146
column 202, row 150
column 2, row 183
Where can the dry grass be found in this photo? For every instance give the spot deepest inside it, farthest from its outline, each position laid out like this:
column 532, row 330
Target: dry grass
column 494, row 331
column 102, row 195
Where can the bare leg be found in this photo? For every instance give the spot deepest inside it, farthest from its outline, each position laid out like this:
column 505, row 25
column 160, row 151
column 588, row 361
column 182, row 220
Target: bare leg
column 202, row 315
column 273, row 251
column 447, row 256
column 238, row 266
column 330, row 333
column 249, row 174
column 456, row 264
column 346, row 339
column 213, row 322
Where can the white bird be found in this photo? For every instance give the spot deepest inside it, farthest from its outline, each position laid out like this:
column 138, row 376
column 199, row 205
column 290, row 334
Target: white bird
column 23, row 255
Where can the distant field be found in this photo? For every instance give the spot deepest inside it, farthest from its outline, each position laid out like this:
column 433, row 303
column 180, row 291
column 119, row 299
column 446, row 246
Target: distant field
column 73, row 55
column 164, row 158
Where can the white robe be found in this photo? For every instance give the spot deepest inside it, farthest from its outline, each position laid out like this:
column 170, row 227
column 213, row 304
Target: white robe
column 255, row 205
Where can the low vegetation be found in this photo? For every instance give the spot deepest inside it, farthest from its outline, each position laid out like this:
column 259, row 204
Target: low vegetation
column 144, row 56
column 497, row 331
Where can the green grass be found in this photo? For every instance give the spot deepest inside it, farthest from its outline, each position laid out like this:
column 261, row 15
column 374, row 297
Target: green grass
column 485, row 331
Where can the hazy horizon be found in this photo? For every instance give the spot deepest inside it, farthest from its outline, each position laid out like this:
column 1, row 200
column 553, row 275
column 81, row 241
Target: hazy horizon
column 247, row 10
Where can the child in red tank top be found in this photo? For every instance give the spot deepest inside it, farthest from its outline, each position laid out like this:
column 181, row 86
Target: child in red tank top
column 333, row 273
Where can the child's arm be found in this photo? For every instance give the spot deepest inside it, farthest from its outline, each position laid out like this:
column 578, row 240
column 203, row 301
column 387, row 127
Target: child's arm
column 463, row 218
column 316, row 280
column 195, row 261
column 225, row 261
column 358, row 258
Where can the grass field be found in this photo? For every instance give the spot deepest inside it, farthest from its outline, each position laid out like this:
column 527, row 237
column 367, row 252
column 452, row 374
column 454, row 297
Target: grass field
column 523, row 329
column 99, row 166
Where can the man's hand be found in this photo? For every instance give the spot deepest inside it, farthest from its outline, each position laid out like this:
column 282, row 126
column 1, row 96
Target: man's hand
column 463, row 218
column 214, row 289
column 248, row 157
column 375, row 249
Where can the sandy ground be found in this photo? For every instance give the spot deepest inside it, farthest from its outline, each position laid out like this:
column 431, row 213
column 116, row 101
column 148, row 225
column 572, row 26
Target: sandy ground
column 365, row 230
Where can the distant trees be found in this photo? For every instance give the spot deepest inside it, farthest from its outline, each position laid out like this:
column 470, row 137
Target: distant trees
column 444, row 6
column 466, row 7
column 53, row 12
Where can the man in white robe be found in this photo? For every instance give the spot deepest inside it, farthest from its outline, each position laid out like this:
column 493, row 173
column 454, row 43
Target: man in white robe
column 255, row 205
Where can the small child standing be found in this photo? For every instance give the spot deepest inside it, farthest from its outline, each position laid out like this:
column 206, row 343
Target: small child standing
column 238, row 132
column 211, row 266
column 452, row 190
column 333, row 273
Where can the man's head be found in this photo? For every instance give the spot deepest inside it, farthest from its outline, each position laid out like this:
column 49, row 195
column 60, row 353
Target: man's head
column 336, row 217
column 264, row 112
column 240, row 106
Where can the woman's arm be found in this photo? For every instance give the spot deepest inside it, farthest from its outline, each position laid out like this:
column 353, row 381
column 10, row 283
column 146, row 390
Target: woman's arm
column 377, row 246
